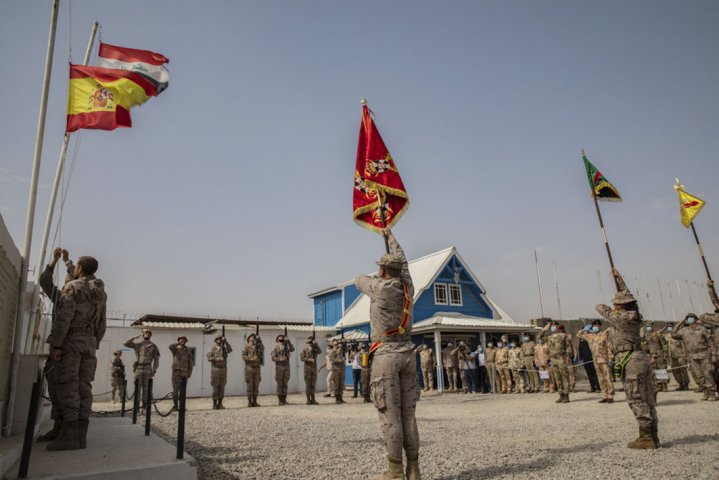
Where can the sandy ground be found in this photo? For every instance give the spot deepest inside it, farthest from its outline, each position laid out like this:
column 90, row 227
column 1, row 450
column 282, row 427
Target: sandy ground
column 462, row 437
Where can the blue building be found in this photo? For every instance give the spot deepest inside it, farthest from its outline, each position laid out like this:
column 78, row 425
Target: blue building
column 450, row 304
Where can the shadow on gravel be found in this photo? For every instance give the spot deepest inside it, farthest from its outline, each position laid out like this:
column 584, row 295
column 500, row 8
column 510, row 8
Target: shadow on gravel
column 675, row 402
column 691, row 439
column 534, row 466
column 220, row 455
column 364, row 440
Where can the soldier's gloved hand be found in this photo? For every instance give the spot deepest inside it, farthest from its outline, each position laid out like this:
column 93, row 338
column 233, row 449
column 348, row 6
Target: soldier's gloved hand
column 57, row 253
column 65, row 255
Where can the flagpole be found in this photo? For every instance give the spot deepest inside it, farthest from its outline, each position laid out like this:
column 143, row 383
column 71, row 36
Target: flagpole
column 661, row 298
column 55, row 188
column 384, row 224
column 539, row 284
column 556, row 286
column 604, row 236
column 30, row 218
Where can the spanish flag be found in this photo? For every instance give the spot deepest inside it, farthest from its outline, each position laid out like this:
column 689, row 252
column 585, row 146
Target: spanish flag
column 378, row 189
column 101, row 98
column 689, row 205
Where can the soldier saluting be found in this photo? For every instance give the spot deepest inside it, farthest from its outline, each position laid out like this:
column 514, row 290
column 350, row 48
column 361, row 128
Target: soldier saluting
column 394, row 382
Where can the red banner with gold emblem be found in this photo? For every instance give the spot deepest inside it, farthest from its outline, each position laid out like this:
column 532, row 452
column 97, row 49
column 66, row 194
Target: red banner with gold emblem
column 378, row 187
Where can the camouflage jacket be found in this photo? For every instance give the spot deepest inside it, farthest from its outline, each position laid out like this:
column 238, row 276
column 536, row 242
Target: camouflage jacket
column 118, row 368
column 281, row 353
column 559, row 345
column 502, row 356
column 626, row 324
column 516, row 358
column 251, row 354
column 448, row 360
column 655, row 344
column 599, row 345
column 675, row 347
column 336, row 358
column 309, row 354
column 182, row 359
column 490, row 354
column 80, row 311
column 216, row 355
column 528, row 348
column 426, row 358
column 697, row 340
column 541, row 355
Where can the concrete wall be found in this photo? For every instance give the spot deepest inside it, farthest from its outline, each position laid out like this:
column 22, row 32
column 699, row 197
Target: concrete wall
column 10, row 262
column 199, row 383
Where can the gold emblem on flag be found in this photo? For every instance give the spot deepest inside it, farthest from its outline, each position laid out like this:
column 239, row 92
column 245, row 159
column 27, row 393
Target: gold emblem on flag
column 101, row 98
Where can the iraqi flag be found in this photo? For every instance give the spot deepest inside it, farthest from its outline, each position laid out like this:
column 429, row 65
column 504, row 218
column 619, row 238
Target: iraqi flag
column 149, row 64
column 378, row 188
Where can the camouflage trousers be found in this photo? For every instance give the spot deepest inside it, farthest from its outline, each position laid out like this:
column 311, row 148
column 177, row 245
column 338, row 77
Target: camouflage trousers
column 638, row 381
column 143, row 374
column 661, row 364
column 518, row 376
column 604, row 375
column 571, row 374
column 505, row 379
column 679, row 370
column 282, row 377
column 561, row 374
column 395, row 390
column 218, row 380
column 338, row 377
column 177, row 376
column 117, row 382
column 532, row 376
column 310, row 379
column 74, row 376
column 330, row 381
column 252, row 379
column 427, row 376
column 705, row 368
column 50, row 371
column 451, row 378
column 494, row 384
column 365, row 383
column 550, row 385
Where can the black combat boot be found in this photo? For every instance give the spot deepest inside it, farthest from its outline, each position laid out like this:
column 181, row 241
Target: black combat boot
column 83, row 425
column 250, row 402
column 219, row 404
column 338, row 399
column 279, row 397
column 52, row 434
column 565, row 399
column 68, row 439
column 214, row 404
column 560, row 399
column 313, row 401
column 254, row 401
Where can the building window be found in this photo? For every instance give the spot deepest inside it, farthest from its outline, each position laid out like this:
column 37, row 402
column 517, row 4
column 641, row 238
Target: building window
column 455, row 295
column 440, row 294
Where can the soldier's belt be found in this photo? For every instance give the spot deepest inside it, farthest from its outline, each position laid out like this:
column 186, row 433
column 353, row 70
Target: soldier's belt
column 83, row 330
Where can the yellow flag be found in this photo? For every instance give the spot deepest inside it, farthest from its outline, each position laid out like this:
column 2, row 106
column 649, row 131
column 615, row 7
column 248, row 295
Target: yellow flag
column 689, row 205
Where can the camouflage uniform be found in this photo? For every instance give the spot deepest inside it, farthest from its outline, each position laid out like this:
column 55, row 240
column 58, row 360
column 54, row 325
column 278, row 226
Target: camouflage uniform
column 531, row 371
column 450, row 365
column 698, row 344
column 541, row 358
column 336, row 359
column 571, row 372
column 182, row 365
column 678, row 361
column 601, row 352
column 77, row 330
column 117, row 380
column 281, row 357
column 637, row 375
column 50, row 370
column 559, row 348
column 148, row 359
column 516, row 364
column 427, row 362
column 394, row 383
column 656, row 346
column 330, row 373
column 490, row 357
column 217, row 356
column 251, row 354
column 308, row 356
column 502, row 364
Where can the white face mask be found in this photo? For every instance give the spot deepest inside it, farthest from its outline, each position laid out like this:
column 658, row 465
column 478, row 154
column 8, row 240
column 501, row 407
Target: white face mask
column 553, row 328
column 526, row 339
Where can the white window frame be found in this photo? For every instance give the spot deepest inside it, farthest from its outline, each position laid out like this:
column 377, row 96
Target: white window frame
column 442, row 286
column 456, row 288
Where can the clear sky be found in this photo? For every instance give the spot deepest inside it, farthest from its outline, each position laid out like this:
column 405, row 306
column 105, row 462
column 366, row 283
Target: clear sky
column 232, row 193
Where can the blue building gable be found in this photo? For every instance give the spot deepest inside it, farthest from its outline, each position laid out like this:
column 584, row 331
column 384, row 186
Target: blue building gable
column 328, row 308
column 442, row 295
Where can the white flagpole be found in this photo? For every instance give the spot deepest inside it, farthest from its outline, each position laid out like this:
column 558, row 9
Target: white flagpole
column 539, row 283
column 661, row 298
column 556, row 286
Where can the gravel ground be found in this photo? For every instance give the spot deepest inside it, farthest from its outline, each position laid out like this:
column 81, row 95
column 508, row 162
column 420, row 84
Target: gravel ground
column 462, row 437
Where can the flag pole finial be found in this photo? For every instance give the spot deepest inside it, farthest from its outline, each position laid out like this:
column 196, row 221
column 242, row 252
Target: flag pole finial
column 678, row 186
column 363, row 101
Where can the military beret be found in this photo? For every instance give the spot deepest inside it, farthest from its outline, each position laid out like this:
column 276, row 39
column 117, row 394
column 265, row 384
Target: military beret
column 623, row 297
column 391, row 260
column 560, row 328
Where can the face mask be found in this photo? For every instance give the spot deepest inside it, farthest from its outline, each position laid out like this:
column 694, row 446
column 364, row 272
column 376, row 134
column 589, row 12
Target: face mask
column 669, row 329
column 489, row 345
column 553, row 329
column 526, row 339
column 499, row 345
column 513, row 345
column 480, row 349
column 595, row 329
column 690, row 320
column 540, row 341
column 648, row 329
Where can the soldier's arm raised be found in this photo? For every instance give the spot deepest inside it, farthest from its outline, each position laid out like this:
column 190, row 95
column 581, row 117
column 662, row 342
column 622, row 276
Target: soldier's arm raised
column 394, row 247
column 605, row 311
column 365, row 284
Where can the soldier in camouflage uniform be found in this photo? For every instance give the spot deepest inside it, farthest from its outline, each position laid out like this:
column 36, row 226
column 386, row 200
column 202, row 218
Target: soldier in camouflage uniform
column 308, row 356
column 394, row 383
column 656, row 346
column 530, row 370
column 490, row 358
column 217, row 356
column 148, row 359
column 336, row 359
column 516, row 364
column 53, row 293
column 366, row 373
column 281, row 357
column 677, row 357
column 637, row 375
column 559, row 346
column 571, row 373
column 77, row 330
column 182, row 365
column 601, row 351
column 541, row 358
column 502, row 365
column 251, row 354
column 711, row 320
column 698, row 343
column 450, row 365
column 427, row 362
column 117, row 380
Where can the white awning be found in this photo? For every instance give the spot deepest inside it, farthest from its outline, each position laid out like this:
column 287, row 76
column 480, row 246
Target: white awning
column 448, row 321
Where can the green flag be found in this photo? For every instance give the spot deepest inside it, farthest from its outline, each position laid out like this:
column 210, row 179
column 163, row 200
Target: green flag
column 601, row 188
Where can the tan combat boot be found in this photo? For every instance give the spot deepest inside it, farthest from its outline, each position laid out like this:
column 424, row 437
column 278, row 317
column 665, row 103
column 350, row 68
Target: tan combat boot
column 68, row 439
column 413, row 469
column 394, row 471
column 52, row 434
column 644, row 441
column 565, row 398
